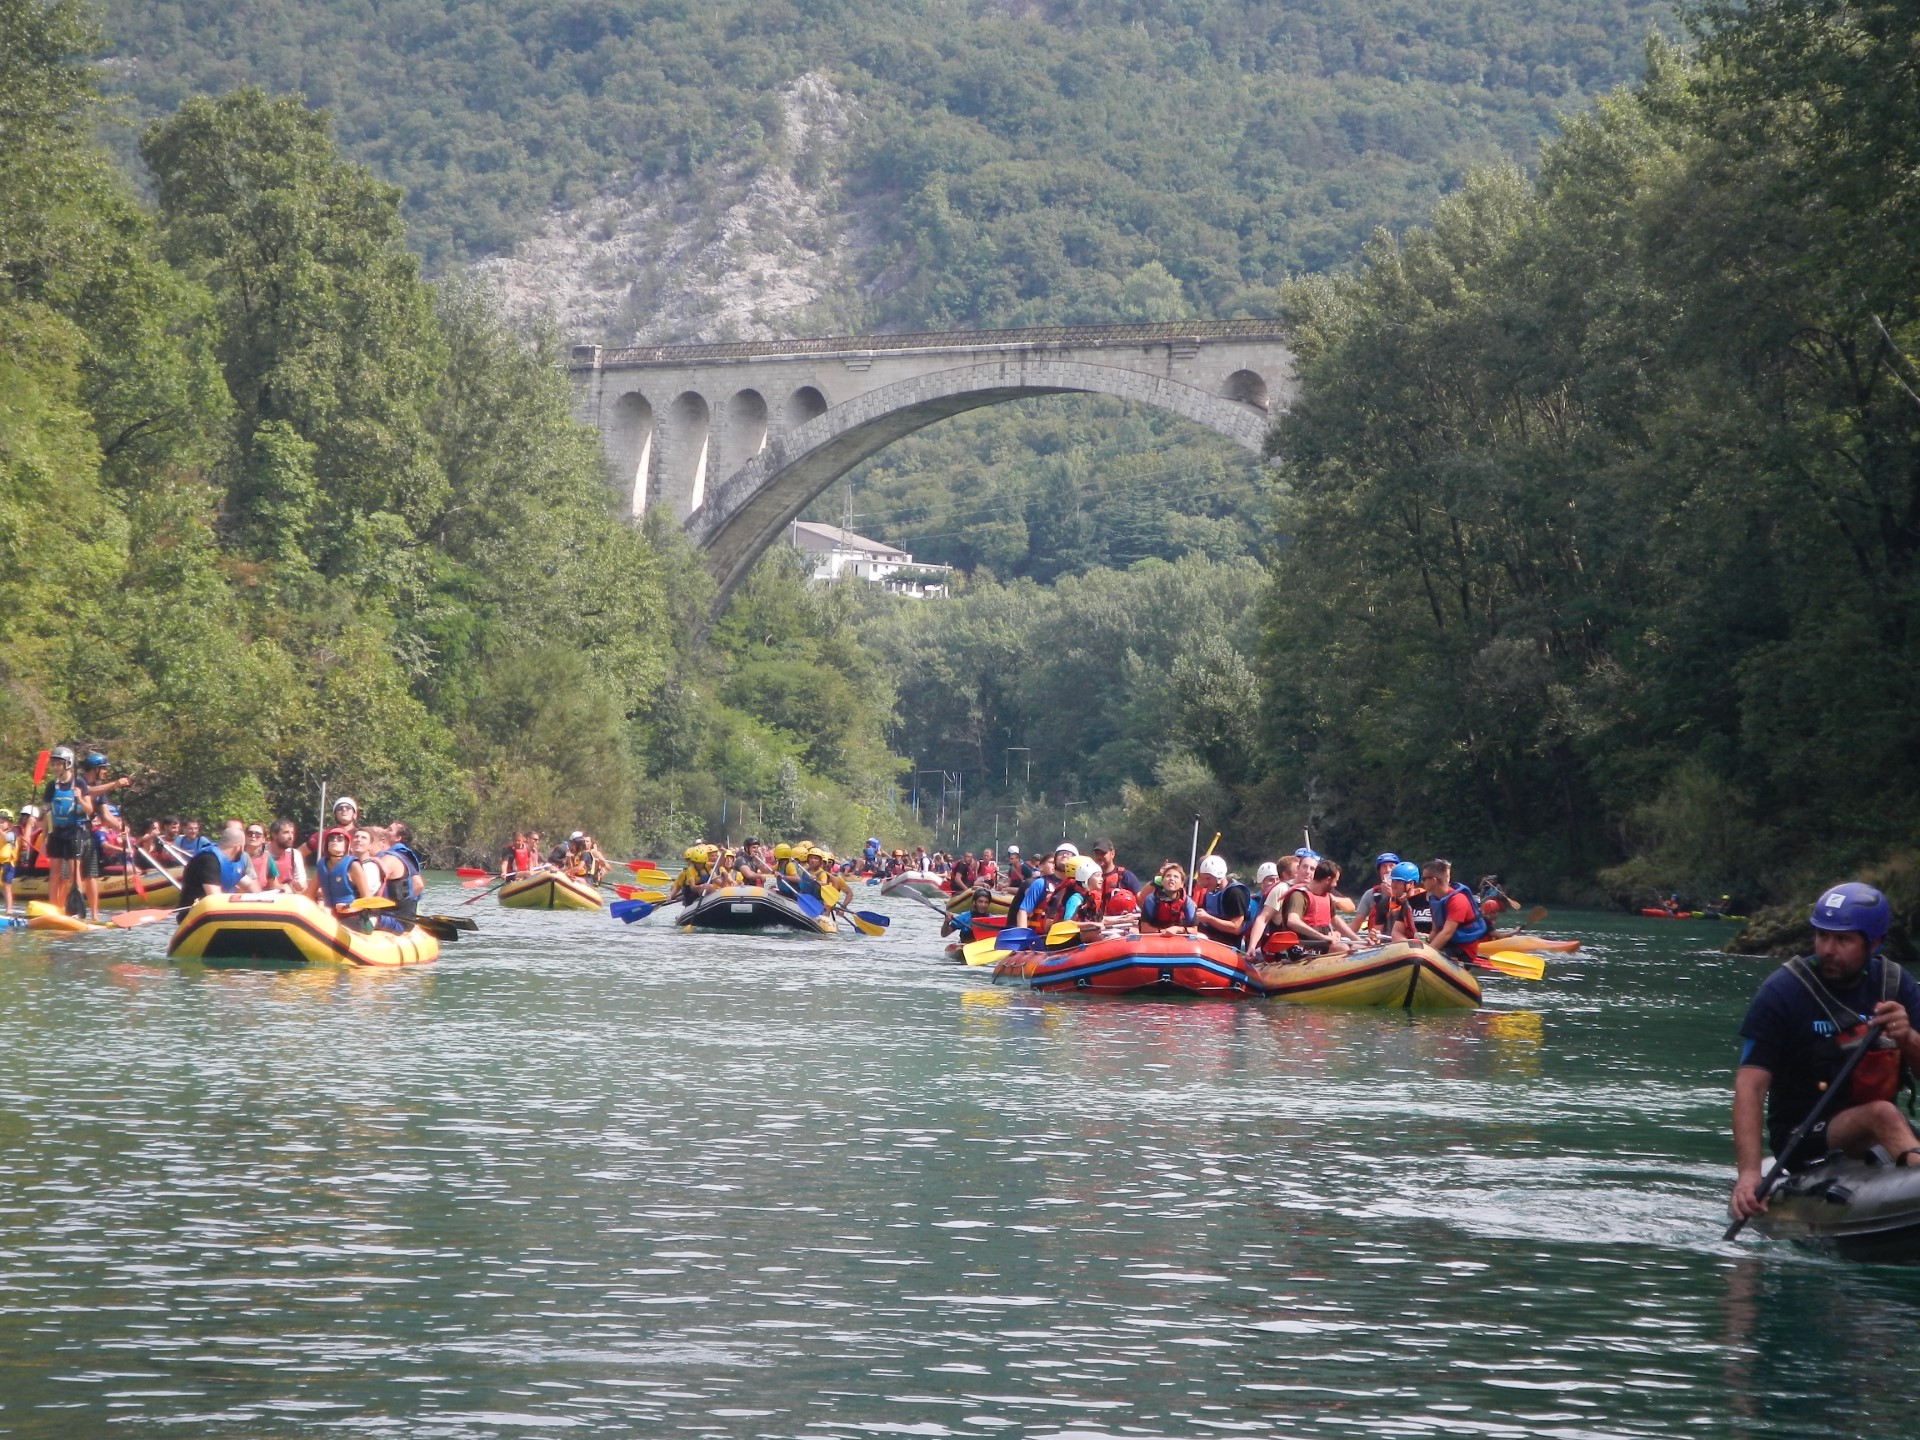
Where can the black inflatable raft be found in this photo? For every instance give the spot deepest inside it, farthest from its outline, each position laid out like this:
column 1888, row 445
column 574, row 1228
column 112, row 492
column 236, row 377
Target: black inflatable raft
column 750, row 907
column 1861, row 1211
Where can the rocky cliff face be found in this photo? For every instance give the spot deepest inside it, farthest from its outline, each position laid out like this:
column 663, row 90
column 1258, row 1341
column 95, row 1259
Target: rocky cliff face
column 737, row 251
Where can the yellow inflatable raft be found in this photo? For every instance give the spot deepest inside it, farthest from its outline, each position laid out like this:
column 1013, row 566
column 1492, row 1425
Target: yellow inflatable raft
column 1399, row 976
column 115, row 892
column 549, row 890
column 43, row 917
column 283, row 929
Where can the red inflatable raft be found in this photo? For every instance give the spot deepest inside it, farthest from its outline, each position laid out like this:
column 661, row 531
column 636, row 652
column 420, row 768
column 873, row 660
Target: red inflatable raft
column 1164, row 964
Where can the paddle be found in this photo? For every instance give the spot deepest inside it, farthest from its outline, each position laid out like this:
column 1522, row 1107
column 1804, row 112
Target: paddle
column 1835, row 1089
column 1063, row 933
column 40, row 767
column 628, row 911
column 638, row 865
column 1518, row 963
column 454, row 922
column 369, row 902
column 634, row 892
column 867, row 922
column 992, row 947
column 127, row 919
column 439, row 926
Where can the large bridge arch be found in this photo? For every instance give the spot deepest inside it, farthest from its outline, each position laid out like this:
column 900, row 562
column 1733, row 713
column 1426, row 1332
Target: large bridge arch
column 752, row 508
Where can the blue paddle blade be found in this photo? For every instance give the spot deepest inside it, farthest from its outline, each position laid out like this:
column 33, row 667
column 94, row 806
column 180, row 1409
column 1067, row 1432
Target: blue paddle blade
column 809, row 907
column 1017, row 938
column 628, row 911
column 874, row 917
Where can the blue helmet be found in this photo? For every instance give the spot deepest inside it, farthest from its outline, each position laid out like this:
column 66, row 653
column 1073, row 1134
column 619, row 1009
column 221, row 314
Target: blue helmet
column 1405, row 870
column 1386, row 857
column 1303, row 853
column 1853, row 906
column 94, row 758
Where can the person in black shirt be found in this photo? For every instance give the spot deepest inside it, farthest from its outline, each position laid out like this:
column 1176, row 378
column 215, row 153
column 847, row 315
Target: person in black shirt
column 1802, row 1024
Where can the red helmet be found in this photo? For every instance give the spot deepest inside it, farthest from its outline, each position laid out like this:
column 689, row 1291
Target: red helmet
column 1121, row 902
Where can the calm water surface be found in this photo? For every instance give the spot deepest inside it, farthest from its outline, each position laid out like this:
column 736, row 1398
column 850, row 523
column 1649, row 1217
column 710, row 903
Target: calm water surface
column 627, row 1181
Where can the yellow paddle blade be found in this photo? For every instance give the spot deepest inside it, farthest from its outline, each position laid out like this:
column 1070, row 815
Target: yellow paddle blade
column 1062, row 932
column 1517, row 963
column 829, row 896
column 865, row 926
column 371, row 902
column 981, row 952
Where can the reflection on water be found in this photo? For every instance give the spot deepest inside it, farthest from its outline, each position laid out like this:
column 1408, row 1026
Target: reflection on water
column 581, row 1177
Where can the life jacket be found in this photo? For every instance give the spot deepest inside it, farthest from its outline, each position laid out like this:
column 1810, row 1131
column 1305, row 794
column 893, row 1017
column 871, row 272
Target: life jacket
column 1155, row 911
column 1379, row 914
column 336, row 882
column 1057, row 902
column 231, row 870
column 63, row 807
column 258, row 864
column 291, row 865
column 1317, row 912
column 1039, row 907
column 1881, row 1069
column 1215, row 903
column 1474, row 929
column 1418, row 908
column 522, row 858
column 406, row 904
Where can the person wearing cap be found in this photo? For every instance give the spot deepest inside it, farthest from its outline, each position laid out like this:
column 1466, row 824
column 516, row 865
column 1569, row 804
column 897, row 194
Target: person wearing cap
column 1373, row 912
column 1113, row 875
column 9, row 849
column 1803, row 1022
column 1222, row 907
column 345, row 816
column 1304, row 859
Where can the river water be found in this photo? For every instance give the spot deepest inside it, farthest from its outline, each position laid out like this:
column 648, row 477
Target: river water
column 582, row 1178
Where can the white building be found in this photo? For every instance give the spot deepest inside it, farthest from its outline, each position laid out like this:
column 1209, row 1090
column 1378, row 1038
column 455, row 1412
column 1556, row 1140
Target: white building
column 836, row 553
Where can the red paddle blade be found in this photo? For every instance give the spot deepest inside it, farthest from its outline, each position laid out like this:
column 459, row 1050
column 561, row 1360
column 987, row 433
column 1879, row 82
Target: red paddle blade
column 641, row 864
column 133, row 874
column 468, row 872
column 40, row 765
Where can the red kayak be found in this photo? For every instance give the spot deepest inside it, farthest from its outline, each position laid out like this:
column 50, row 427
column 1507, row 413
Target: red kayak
column 1124, row 965
column 1670, row 914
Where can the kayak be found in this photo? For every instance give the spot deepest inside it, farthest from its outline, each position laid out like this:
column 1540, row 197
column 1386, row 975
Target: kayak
column 1129, row 964
column 1535, row 943
column 45, row 918
column 1401, row 976
column 1861, row 1211
column 915, row 882
column 280, row 928
column 751, row 907
column 115, row 892
column 1653, row 914
column 549, row 890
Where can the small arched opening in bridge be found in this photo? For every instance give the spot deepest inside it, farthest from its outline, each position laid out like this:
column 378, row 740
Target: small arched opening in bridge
column 803, row 405
column 683, row 458
column 1248, row 387
column 743, row 431
column 631, row 447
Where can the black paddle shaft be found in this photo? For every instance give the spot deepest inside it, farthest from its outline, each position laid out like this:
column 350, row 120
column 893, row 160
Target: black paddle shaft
column 1835, row 1089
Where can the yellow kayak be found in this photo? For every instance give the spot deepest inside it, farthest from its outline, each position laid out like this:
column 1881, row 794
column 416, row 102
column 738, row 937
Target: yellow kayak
column 286, row 929
column 1400, row 976
column 549, row 890
column 115, row 892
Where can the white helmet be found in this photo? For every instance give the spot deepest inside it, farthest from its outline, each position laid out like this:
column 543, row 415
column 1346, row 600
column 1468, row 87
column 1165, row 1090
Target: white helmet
column 1267, row 871
column 1086, row 870
column 1214, row 866
column 1066, row 847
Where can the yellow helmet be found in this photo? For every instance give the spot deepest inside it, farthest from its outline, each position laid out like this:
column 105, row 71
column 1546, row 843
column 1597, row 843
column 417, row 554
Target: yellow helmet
column 692, row 853
column 783, row 851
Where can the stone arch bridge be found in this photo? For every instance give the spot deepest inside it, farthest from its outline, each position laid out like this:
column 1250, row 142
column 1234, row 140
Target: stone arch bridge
column 735, row 439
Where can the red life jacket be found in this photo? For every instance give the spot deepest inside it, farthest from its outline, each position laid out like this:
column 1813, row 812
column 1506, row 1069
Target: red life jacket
column 1878, row 1075
column 1318, row 911
column 523, row 859
column 1054, row 907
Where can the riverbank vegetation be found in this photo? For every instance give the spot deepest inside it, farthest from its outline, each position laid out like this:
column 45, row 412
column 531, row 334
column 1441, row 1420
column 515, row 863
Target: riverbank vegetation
column 276, row 512
column 1602, row 501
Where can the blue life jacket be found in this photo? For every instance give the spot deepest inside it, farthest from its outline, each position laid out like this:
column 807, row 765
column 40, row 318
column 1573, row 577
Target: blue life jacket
column 231, row 870
column 1474, row 929
column 1215, row 904
column 63, row 807
column 336, row 882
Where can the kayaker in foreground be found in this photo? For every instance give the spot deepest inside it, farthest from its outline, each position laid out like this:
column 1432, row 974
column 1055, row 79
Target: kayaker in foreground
column 1803, row 1021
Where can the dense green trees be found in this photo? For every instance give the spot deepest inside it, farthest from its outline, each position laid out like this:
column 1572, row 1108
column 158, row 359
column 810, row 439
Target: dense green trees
column 273, row 511
column 1604, row 492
